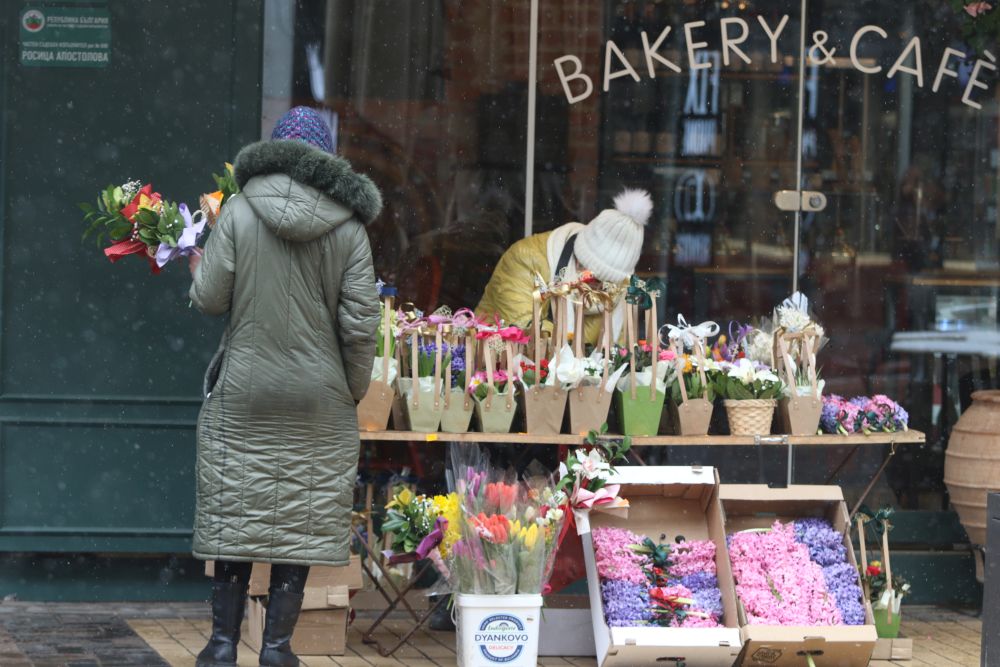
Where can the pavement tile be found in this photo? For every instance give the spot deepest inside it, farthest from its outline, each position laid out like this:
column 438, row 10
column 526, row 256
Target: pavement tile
column 166, row 635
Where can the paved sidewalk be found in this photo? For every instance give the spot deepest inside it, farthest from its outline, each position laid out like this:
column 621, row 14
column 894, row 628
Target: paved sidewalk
column 169, row 635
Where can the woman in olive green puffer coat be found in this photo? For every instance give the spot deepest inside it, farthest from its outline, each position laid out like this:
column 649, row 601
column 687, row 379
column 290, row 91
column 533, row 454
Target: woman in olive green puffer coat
column 290, row 262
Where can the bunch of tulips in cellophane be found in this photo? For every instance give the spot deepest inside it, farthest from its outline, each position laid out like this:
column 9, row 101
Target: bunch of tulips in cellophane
column 509, row 530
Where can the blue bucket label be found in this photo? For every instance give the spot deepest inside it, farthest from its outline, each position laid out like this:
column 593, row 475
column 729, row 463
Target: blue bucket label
column 501, row 638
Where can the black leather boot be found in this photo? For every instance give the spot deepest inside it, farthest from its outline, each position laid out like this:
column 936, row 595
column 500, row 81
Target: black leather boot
column 229, row 600
column 283, row 608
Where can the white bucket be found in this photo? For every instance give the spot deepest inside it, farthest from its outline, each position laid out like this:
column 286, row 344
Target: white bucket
column 498, row 630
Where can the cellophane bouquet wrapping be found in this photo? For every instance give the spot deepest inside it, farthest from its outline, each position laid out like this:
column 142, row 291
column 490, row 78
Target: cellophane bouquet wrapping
column 508, row 528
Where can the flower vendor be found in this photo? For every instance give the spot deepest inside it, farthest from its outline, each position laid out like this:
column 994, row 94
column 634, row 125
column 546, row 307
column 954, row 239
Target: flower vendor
column 290, row 263
column 608, row 247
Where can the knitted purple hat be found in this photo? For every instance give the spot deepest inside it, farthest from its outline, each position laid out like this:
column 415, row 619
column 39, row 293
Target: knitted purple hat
column 304, row 124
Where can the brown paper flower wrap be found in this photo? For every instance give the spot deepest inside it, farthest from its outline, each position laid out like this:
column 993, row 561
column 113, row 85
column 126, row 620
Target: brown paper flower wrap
column 374, row 408
column 693, row 414
column 589, row 404
column 544, row 402
column 799, row 411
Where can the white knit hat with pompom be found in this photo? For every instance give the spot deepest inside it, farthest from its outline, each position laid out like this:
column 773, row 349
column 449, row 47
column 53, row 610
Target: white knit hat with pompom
column 610, row 244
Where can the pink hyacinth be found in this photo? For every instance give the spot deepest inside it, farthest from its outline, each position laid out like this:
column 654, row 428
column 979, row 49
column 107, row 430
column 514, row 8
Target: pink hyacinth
column 615, row 560
column 692, row 557
column 692, row 621
column 777, row 582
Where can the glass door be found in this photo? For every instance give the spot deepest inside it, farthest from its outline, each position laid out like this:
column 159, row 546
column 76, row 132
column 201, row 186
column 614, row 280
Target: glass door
column 900, row 134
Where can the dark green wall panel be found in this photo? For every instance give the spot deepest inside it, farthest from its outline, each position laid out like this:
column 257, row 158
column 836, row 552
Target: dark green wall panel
column 92, row 479
column 101, row 364
column 178, row 100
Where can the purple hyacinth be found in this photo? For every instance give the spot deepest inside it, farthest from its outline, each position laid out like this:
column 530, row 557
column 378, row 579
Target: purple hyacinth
column 900, row 418
column 705, row 591
column 458, row 359
column 842, row 582
column 699, row 581
column 831, row 410
column 625, row 604
column 826, row 548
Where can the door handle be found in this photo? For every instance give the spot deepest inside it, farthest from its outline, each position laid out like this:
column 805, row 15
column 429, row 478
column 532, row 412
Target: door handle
column 789, row 200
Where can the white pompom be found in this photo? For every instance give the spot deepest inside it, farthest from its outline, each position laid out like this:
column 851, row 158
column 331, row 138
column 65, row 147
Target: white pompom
column 636, row 204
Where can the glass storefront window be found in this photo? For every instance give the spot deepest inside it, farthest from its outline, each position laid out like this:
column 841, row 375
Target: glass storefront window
column 429, row 98
column 706, row 119
column 906, row 242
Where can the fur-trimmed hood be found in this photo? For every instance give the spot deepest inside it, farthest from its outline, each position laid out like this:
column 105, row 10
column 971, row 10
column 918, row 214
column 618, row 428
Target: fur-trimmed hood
column 330, row 175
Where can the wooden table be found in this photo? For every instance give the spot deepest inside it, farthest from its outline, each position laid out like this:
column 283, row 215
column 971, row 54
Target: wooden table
column 856, row 442
column 902, row 438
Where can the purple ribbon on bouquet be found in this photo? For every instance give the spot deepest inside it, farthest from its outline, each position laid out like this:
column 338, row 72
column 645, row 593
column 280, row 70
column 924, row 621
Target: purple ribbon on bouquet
column 426, row 545
column 187, row 244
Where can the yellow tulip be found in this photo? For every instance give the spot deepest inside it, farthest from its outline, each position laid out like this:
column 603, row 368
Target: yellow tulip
column 405, row 497
column 531, row 536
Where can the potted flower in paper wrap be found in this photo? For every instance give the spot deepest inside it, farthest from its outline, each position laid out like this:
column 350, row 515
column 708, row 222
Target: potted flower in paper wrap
column 423, row 391
column 458, row 332
column 375, row 407
column 544, row 398
column 493, row 389
column 641, row 394
column 588, row 377
column 884, row 589
column 750, row 391
column 796, row 340
column 691, row 390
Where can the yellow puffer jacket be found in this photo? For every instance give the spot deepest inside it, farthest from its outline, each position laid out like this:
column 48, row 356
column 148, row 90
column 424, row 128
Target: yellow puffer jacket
column 509, row 291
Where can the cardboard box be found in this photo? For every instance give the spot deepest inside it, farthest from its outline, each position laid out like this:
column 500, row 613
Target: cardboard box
column 755, row 506
column 559, row 634
column 320, row 577
column 318, row 631
column 667, row 502
column 893, row 649
column 325, row 587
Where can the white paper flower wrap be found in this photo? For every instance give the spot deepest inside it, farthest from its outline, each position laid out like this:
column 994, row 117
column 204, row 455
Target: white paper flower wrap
column 377, row 370
column 645, row 378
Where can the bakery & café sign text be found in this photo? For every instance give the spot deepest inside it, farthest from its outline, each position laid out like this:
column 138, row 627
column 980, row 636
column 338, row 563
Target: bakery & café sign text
column 734, row 32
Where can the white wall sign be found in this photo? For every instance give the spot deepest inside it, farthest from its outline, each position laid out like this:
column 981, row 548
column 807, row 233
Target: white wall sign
column 578, row 85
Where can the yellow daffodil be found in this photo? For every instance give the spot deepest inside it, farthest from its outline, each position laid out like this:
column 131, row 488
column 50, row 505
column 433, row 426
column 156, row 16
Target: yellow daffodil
column 450, row 508
column 402, row 498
